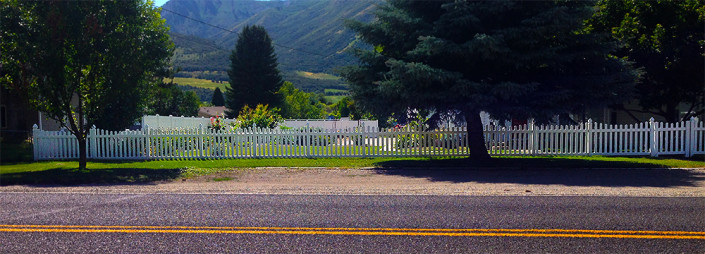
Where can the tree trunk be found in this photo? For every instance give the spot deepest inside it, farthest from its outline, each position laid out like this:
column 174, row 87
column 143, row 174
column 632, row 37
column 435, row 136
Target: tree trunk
column 476, row 137
column 82, row 152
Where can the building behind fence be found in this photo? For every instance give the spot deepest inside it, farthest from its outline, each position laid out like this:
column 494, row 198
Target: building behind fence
column 644, row 139
column 157, row 121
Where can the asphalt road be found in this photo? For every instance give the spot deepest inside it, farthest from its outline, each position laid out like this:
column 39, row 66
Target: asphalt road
column 192, row 223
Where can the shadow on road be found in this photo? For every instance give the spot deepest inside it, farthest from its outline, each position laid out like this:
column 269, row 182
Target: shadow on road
column 73, row 176
column 620, row 174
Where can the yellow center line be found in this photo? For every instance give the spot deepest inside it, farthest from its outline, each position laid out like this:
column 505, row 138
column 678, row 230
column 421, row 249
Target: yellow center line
column 575, row 233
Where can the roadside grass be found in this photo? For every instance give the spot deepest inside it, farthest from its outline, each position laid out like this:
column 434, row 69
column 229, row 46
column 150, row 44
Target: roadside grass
column 145, row 172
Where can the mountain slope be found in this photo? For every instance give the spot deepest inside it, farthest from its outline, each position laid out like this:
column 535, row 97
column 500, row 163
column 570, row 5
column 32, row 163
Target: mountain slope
column 309, row 35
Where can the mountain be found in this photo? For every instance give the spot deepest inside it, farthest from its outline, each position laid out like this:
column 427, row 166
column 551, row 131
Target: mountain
column 309, row 35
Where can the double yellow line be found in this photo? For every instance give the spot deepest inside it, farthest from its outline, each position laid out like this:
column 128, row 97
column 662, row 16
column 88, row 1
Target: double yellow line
column 574, row 233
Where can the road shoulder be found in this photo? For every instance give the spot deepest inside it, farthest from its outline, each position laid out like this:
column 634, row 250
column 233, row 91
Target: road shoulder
column 420, row 181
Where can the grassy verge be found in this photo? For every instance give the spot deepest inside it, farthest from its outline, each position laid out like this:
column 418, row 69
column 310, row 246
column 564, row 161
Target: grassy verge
column 108, row 172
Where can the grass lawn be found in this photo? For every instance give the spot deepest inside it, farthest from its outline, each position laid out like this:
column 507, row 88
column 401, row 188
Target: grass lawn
column 109, row 172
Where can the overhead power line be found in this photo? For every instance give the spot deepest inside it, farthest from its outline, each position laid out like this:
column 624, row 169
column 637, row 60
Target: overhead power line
column 233, row 32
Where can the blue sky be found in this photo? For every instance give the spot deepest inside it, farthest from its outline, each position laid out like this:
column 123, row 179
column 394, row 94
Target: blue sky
column 159, row 3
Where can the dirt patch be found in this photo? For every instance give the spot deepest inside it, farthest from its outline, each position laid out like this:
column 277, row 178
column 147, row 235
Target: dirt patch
column 370, row 181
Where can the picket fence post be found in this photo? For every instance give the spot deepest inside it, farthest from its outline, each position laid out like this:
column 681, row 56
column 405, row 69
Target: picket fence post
column 93, row 152
column 690, row 136
column 35, row 141
column 200, row 132
column 532, row 138
column 654, row 139
column 588, row 137
column 148, row 146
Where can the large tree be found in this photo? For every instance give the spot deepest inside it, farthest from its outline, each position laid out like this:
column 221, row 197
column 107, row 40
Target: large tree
column 667, row 39
column 509, row 58
column 254, row 77
column 218, row 99
column 84, row 62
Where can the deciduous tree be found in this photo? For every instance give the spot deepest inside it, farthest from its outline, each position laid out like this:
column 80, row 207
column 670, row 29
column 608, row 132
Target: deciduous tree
column 667, row 39
column 84, row 63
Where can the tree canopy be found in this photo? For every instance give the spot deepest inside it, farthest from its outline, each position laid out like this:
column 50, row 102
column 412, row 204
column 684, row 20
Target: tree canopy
column 254, row 77
column 665, row 38
column 513, row 59
column 298, row 104
column 84, row 62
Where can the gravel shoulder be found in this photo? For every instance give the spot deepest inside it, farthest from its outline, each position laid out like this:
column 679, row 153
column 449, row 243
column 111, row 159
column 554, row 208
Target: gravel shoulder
column 420, row 181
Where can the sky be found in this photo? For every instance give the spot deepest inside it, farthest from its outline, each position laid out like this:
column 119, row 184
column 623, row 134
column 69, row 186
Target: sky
column 159, row 3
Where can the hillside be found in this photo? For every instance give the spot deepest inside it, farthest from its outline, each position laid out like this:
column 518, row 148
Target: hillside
column 309, row 35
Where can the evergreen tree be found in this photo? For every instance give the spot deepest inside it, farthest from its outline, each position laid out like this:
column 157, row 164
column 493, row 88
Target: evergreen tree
column 218, row 99
column 509, row 58
column 254, row 77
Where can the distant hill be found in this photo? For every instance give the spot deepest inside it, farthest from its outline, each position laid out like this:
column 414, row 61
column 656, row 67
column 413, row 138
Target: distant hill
column 309, row 35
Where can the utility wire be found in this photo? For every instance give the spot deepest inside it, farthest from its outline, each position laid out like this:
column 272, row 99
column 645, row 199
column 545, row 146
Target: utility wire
column 231, row 31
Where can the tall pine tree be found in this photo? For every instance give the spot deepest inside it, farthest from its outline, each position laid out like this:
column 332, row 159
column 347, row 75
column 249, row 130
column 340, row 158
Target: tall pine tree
column 509, row 58
column 218, row 99
column 254, row 77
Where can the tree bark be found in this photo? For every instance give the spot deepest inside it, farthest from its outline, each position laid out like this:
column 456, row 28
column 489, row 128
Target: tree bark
column 82, row 152
column 476, row 137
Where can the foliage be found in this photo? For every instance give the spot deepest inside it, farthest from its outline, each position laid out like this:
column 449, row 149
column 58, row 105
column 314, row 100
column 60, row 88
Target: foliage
column 254, row 77
column 205, row 95
column 217, row 123
column 218, row 99
column 512, row 59
column 666, row 38
column 260, row 117
column 85, row 62
column 300, row 105
column 169, row 99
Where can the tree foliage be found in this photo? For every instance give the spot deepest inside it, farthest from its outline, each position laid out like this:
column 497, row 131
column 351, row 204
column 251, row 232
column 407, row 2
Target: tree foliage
column 666, row 38
column 84, row 62
column 254, row 77
column 259, row 117
column 509, row 58
column 298, row 104
column 170, row 100
column 218, row 99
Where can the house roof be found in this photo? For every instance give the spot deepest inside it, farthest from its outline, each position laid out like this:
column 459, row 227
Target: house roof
column 211, row 111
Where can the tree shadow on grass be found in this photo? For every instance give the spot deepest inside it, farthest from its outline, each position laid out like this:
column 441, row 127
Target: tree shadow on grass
column 73, row 176
column 545, row 171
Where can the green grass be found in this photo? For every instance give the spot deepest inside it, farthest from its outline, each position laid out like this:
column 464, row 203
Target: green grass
column 335, row 91
column 334, row 98
column 108, row 172
column 200, row 83
column 320, row 76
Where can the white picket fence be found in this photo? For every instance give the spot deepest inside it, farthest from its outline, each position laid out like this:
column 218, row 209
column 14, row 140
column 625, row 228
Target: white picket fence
column 651, row 138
